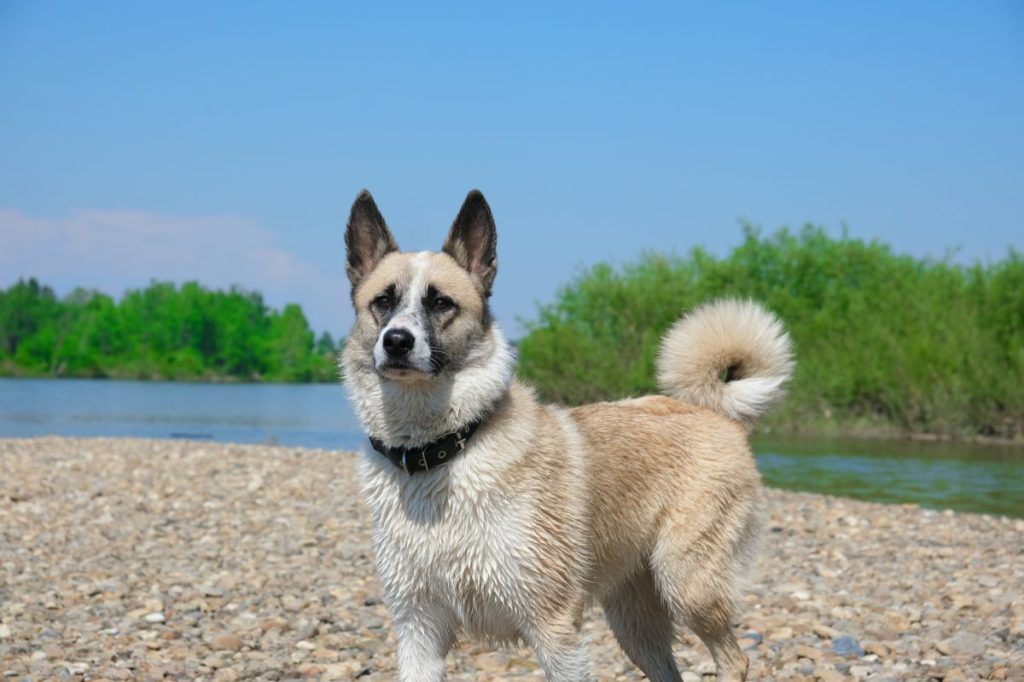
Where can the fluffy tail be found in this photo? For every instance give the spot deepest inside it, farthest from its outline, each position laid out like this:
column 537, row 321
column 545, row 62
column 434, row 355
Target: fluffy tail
column 730, row 356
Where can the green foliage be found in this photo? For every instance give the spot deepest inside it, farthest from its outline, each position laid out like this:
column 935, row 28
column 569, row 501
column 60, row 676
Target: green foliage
column 884, row 342
column 160, row 332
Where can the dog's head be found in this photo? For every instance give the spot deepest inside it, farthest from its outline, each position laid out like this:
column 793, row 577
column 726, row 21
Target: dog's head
column 419, row 315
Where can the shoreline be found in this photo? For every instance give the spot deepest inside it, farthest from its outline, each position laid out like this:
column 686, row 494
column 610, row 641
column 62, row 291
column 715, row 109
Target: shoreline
column 134, row 559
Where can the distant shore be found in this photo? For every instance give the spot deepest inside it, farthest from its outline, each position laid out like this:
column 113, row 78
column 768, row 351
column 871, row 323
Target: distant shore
column 133, row 559
column 9, row 371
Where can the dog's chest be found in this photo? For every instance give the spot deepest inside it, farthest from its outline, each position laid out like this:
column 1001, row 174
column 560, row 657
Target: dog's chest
column 453, row 540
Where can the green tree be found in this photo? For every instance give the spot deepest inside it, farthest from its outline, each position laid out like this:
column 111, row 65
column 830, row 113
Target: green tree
column 158, row 332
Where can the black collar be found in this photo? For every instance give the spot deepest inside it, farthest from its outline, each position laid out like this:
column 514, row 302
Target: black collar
column 431, row 455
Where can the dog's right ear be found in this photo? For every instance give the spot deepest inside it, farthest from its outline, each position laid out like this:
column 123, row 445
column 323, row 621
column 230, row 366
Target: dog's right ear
column 473, row 241
column 367, row 238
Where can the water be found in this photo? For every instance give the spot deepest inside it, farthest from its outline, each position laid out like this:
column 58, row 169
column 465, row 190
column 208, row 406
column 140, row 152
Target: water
column 310, row 415
column 964, row 477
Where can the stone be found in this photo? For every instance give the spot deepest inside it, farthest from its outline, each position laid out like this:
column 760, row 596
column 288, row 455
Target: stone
column 824, row 631
column 962, row 643
column 805, row 651
column 226, row 641
column 847, row 646
column 876, row 648
column 225, row 675
column 829, row 676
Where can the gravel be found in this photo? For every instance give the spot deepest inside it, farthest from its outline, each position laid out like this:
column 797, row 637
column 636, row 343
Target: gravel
column 143, row 559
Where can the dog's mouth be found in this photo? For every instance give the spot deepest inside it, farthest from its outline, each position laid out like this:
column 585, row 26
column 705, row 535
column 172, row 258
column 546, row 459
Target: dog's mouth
column 403, row 371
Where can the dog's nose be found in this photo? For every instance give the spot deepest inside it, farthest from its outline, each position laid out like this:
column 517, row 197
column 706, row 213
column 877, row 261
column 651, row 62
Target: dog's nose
column 398, row 342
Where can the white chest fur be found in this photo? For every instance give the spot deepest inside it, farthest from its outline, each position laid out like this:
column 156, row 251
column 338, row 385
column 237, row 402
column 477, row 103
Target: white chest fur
column 453, row 542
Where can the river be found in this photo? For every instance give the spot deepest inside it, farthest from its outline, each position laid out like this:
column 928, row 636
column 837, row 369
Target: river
column 963, row 477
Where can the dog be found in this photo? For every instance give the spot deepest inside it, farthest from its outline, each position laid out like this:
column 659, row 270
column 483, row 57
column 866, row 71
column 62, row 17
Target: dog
column 502, row 518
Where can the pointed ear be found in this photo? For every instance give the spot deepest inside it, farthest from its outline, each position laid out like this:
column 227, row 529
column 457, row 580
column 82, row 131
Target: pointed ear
column 473, row 241
column 367, row 238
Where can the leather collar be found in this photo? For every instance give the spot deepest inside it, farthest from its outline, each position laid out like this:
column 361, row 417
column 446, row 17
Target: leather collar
column 431, row 455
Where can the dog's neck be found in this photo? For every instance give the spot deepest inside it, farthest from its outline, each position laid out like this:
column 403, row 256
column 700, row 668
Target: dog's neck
column 408, row 414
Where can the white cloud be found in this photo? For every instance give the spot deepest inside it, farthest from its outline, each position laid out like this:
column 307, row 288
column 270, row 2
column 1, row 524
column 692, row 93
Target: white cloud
column 116, row 250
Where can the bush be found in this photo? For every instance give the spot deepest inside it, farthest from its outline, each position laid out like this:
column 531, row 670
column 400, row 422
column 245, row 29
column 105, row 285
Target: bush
column 883, row 341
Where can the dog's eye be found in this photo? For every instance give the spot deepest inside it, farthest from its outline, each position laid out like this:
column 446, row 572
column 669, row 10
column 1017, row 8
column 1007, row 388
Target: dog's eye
column 382, row 302
column 443, row 304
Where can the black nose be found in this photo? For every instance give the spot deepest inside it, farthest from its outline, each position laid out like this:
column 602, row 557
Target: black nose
column 398, row 342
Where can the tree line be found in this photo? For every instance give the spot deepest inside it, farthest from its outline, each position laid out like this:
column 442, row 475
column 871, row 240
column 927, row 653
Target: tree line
column 162, row 331
column 885, row 343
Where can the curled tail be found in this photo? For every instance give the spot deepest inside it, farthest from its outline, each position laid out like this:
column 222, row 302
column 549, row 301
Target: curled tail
column 730, row 356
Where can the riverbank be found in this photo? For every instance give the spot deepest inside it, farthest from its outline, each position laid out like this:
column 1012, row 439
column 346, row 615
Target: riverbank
column 138, row 559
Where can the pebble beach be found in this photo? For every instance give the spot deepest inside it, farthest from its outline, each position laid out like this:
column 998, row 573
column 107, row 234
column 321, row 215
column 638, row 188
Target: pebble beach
column 130, row 559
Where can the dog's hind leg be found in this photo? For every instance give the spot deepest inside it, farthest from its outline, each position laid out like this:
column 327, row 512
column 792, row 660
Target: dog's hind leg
column 643, row 626
column 696, row 572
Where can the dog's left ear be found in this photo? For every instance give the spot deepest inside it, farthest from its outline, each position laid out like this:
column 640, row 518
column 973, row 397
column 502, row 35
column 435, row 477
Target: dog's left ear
column 367, row 238
column 473, row 241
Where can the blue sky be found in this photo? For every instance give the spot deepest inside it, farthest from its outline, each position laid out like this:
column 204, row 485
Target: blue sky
column 224, row 142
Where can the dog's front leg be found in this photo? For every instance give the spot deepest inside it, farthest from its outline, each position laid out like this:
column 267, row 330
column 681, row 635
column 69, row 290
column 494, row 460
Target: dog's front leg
column 425, row 635
column 560, row 649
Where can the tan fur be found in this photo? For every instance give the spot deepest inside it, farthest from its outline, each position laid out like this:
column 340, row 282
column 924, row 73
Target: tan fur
column 651, row 505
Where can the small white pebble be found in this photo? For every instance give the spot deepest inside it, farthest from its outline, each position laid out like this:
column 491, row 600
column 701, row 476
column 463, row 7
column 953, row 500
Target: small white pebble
column 155, row 618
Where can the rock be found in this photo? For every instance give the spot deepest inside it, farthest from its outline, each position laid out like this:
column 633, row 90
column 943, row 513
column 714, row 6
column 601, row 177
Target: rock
column 226, row 641
column 225, row 675
column 962, row 643
column 213, row 661
column 877, row 648
column 155, row 617
column 847, row 646
column 780, row 633
column 78, row 668
column 829, row 676
column 706, row 668
column 824, row 631
column 804, row 651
